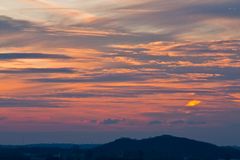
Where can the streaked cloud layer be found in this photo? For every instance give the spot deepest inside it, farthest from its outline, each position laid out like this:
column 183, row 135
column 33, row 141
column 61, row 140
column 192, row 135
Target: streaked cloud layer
column 102, row 66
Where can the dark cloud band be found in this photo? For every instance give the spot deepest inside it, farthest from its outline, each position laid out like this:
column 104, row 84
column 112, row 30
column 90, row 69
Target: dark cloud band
column 14, row 56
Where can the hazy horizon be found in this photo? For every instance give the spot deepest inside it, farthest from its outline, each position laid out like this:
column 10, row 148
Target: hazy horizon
column 103, row 138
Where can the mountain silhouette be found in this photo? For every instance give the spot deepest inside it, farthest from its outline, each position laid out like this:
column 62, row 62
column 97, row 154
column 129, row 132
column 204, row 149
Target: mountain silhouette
column 156, row 148
column 164, row 147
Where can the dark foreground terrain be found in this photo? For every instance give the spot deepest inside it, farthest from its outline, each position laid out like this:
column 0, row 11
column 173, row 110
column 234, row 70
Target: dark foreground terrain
column 157, row 148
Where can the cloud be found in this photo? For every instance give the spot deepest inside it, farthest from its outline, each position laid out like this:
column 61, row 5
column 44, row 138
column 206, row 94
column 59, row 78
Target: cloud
column 196, row 122
column 121, row 77
column 229, row 9
column 221, row 73
column 184, row 121
column 204, row 59
column 27, row 103
column 110, row 121
column 154, row 122
column 177, row 122
column 193, row 103
column 59, row 13
column 181, row 18
column 183, row 117
column 126, row 92
column 161, row 18
column 3, row 118
column 37, row 70
column 164, row 115
column 9, row 25
column 139, row 59
column 14, row 56
column 187, row 122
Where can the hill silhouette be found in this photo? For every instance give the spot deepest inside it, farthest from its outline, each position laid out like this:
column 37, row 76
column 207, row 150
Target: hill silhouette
column 164, row 147
column 156, row 148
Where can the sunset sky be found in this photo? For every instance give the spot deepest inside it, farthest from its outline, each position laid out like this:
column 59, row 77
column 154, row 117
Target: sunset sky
column 77, row 71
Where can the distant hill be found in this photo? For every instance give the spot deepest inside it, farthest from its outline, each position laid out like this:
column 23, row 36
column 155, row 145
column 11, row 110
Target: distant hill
column 236, row 147
column 52, row 146
column 156, row 148
column 62, row 146
column 162, row 148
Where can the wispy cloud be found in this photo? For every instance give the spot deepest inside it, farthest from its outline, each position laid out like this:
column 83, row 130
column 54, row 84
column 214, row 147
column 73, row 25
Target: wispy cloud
column 87, row 63
column 13, row 56
column 26, row 103
column 111, row 121
column 37, row 70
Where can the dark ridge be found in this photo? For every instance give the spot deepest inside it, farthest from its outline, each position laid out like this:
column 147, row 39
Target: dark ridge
column 163, row 148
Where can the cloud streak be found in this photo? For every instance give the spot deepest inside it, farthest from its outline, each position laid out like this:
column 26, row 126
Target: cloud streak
column 140, row 61
column 13, row 56
column 37, row 70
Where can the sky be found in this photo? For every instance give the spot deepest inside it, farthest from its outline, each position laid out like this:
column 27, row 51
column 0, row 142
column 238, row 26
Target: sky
column 81, row 71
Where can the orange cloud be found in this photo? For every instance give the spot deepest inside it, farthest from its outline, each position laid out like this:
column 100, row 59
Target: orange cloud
column 193, row 103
